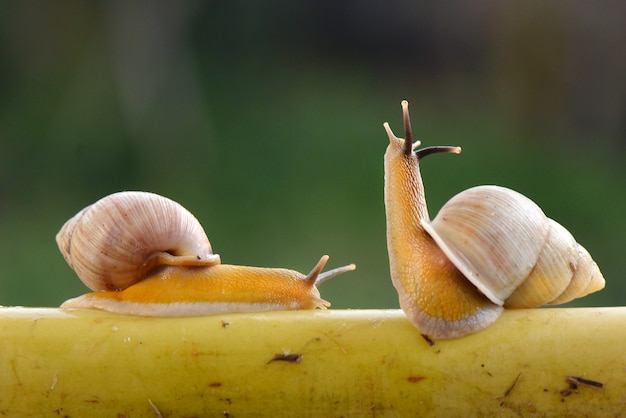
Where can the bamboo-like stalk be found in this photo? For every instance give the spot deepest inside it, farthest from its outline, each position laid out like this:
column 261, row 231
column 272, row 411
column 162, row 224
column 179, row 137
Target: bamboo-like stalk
column 351, row 363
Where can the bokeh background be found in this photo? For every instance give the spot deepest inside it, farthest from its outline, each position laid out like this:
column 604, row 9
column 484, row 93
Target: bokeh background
column 264, row 119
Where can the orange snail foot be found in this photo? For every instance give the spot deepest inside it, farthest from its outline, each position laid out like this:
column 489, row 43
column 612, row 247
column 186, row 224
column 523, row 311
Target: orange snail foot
column 198, row 291
column 448, row 306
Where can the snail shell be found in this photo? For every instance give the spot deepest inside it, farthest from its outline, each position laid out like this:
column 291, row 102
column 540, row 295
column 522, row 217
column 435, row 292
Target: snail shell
column 114, row 242
column 505, row 245
column 489, row 247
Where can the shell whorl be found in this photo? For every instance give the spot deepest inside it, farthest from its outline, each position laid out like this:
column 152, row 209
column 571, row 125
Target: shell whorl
column 506, row 246
column 112, row 243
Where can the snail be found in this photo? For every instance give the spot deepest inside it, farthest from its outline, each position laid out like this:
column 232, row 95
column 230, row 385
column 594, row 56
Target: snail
column 144, row 254
column 488, row 248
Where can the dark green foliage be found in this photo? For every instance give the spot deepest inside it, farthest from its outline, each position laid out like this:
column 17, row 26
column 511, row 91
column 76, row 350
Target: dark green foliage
column 266, row 123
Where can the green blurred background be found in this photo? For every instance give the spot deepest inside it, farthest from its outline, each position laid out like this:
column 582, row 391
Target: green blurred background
column 264, row 119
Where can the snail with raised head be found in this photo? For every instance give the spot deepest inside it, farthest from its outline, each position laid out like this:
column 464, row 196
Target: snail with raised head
column 488, row 248
column 144, row 254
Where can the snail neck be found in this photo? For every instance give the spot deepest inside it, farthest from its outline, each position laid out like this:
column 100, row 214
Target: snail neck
column 405, row 205
column 406, row 211
column 408, row 242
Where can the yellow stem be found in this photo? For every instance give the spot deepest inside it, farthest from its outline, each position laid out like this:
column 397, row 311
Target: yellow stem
column 539, row 362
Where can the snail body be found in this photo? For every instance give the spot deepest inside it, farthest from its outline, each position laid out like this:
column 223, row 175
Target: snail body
column 488, row 248
column 144, row 254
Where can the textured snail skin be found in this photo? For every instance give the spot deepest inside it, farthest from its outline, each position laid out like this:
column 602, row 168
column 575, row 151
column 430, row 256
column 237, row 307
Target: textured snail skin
column 181, row 291
column 527, row 259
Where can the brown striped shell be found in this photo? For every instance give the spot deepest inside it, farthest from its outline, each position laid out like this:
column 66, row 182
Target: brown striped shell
column 114, row 242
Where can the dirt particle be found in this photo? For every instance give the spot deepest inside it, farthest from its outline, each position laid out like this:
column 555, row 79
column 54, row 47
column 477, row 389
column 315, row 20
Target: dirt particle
column 508, row 391
column 585, row 382
column 288, row 357
column 156, row 410
column 428, row 340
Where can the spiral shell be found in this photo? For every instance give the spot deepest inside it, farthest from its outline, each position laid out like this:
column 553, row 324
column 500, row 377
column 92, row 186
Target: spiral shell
column 506, row 246
column 114, row 242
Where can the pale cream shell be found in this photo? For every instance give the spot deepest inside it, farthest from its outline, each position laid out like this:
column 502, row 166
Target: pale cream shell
column 505, row 245
column 108, row 242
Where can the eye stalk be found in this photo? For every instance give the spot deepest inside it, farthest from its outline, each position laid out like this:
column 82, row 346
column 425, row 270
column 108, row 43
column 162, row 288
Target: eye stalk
column 410, row 146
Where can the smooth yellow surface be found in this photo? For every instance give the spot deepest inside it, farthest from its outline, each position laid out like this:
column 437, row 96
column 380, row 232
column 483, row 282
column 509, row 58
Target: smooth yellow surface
column 343, row 363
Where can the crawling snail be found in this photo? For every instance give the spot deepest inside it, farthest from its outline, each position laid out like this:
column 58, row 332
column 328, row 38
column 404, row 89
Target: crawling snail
column 144, row 254
column 489, row 248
